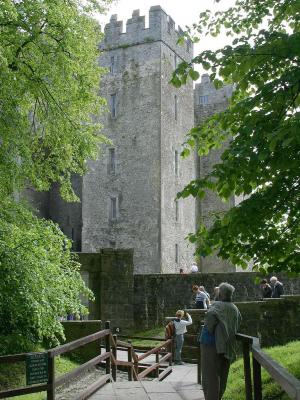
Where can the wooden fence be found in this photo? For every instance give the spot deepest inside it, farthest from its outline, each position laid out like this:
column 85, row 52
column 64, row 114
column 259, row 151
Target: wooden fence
column 109, row 356
column 287, row 381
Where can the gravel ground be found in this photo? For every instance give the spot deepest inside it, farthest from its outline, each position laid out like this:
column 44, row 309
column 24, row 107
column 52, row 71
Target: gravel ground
column 74, row 387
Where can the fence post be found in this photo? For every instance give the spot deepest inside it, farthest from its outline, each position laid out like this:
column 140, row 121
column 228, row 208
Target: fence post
column 157, row 361
column 129, row 353
column 114, row 353
column 199, row 375
column 107, row 349
column 257, row 379
column 51, row 377
column 136, row 367
column 247, row 369
column 171, row 347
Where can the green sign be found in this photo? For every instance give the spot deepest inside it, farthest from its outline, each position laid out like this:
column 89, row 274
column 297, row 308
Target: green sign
column 36, row 368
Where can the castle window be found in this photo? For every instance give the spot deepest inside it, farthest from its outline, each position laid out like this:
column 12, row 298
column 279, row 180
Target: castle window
column 112, row 65
column 113, row 208
column 176, row 211
column 113, row 105
column 176, row 162
column 203, row 99
column 112, row 244
column 112, row 161
column 175, row 60
column 188, row 46
column 176, row 254
column 175, row 107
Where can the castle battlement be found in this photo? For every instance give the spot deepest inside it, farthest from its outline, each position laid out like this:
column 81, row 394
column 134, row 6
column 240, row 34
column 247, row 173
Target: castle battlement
column 161, row 28
column 206, row 93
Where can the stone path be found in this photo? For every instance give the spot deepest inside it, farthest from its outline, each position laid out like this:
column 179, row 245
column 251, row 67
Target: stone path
column 179, row 385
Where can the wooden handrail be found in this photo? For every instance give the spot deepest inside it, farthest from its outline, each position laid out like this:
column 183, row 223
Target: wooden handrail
column 289, row 383
column 153, row 339
column 154, row 366
column 24, row 390
column 52, row 382
column 78, row 343
column 154, row 350
column 72, row 374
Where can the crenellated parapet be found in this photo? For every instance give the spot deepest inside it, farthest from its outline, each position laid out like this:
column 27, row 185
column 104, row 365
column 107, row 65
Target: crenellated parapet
column 161, row 28
column 205, row 92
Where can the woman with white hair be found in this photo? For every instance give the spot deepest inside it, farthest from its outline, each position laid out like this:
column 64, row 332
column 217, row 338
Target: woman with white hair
column 217, row 343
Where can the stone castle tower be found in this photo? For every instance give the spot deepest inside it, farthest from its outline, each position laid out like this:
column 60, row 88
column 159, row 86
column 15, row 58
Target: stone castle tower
column 128, row 195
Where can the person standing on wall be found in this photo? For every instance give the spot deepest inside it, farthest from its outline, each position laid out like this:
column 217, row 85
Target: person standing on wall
column 180, row 329
column 277, row 287
column 201, row 300
column 266, row 289
column 194, row 268
column 217, row 341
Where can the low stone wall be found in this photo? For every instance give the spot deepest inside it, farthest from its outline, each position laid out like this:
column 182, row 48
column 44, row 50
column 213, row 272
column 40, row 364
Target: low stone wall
column 274, row 321
column 156, row 296
column 77, row 329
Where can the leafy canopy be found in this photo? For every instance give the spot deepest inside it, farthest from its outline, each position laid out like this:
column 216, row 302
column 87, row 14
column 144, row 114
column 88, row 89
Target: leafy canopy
column 262, row 161
column 49, row 79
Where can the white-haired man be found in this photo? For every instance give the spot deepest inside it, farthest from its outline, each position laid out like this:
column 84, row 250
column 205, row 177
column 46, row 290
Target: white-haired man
column 218, row 343
column 277, row 287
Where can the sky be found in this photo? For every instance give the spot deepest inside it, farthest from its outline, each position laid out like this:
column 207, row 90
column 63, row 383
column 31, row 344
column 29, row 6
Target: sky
column 183, row 12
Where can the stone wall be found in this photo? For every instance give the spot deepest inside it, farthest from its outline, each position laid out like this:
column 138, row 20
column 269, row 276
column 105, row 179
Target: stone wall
column 110, row 277
column 147, row 124
column 274, row 321
column 156, row 296
column 77, row 329
column 208, row 101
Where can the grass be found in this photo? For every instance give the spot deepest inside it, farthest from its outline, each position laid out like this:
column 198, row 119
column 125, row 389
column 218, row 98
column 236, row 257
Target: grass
column 154, row 332
column 15, row 376
column 288, row 356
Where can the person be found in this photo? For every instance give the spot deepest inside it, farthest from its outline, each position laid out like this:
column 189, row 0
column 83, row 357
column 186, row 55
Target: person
column 266, row 289
column 201, row 300
column 217, row 343
column 277, row 287
column 216, row 293
column 202, row 288
column 180, row 329
column 194, row 268
column 181, row 271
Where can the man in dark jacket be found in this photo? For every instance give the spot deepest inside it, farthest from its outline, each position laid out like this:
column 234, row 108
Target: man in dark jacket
column 266, row 289
column 277, row 287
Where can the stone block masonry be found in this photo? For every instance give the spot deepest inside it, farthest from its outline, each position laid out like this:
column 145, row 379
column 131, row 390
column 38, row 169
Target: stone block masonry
column 129, row 193
column 157, row 296
column 110, row 277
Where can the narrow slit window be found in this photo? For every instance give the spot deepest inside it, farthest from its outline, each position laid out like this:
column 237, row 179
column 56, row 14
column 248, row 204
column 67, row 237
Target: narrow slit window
column 176, row 211
column 176, row 162
column 176, row 254
column 112, row 161
column 113, row 208
column 113, row 105
column 175, row 61
column 112, row 65
column 203, row 99
column 175, row 107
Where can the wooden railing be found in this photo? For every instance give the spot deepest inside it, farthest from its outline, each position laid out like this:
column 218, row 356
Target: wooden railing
column 287, row 381
column 109, row 356
column 55, row 382
column 134, row 364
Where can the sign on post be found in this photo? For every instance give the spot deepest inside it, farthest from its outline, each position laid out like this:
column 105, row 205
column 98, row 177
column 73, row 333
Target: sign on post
column 36, row 368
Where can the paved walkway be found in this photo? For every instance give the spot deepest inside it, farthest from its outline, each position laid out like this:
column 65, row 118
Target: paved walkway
column 179, row 385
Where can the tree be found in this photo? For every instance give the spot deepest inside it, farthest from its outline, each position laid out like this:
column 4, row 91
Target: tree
column 49, row 78
column 262, row 161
